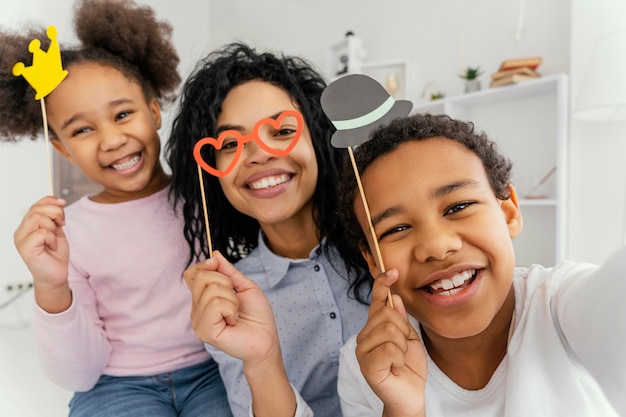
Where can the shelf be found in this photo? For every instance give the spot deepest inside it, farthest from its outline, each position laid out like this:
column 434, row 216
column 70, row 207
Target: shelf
column 528, row 121
column 381, row 71
column 537, row 202
column 541, row 85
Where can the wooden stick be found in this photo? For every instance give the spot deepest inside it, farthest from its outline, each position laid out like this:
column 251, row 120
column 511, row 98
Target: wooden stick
column 45, row 132
column 206, row 214
column 379, row 257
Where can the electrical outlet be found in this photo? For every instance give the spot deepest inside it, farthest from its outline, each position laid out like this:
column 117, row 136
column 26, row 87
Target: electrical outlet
column 18, row 286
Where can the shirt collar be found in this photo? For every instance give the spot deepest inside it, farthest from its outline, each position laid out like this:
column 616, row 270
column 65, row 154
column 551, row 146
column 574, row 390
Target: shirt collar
column 277, row 266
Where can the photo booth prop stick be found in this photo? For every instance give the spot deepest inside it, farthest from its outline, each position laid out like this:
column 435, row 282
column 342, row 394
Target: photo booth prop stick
column 206, row 213
column 44, row 75
column 277, row 135
column 356, row 105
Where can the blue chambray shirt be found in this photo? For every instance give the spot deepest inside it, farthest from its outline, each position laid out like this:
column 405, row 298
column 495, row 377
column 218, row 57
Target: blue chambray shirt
column 315, row 317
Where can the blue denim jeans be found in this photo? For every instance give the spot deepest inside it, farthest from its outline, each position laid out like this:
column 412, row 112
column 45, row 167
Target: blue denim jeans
column 196, row 391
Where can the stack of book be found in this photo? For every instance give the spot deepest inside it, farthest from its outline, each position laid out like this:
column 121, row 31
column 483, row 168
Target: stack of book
column 513, row 71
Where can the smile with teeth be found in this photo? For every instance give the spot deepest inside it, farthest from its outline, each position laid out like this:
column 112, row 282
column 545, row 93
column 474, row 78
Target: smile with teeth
column 268, row 182
column 125, row 165
column 451, row 286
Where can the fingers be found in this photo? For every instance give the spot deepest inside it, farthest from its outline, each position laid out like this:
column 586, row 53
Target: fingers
column 383, row 341
column 216, row 302
column 390, row 355
column 37, row 241
column 239, row 280
column 387, row 331
column 380, row 289
column 196, row 270
column 41, row 226
column 380, row 312
column 220, row 264
column 214, row 299
column 51, row 207
column 46, row 213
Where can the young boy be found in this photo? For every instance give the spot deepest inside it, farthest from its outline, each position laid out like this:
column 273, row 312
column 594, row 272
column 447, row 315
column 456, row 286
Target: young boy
column 469, row 333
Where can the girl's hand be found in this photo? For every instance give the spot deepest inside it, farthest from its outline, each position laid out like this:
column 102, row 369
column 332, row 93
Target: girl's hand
column 392, row 358
column 41, row 243
column 230, row 312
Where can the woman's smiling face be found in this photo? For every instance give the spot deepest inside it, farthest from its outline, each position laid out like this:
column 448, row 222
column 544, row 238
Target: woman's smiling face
column 269, row 188
column 440, row 224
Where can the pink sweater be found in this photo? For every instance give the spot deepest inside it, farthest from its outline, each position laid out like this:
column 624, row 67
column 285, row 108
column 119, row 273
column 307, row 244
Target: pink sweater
column 131, row 306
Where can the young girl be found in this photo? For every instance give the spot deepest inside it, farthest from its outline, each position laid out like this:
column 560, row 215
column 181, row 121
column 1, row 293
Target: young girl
column 112, row 310
column 275, row 216
column 469, row 334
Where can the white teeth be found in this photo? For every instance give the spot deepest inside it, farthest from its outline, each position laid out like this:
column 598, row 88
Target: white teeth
column 458, row 280
column 450, row 292
column 450, row 285
column 127, row 164
column 268, row 182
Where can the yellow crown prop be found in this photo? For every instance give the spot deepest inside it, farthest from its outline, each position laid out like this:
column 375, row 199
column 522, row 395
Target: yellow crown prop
column 47, row 71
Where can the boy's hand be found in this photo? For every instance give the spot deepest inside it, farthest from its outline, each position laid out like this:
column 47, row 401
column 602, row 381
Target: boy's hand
column 392, row 358
column 41, row 243
column 230, row 312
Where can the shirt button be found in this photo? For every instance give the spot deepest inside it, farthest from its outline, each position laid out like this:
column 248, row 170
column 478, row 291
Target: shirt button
column 333, row 315
column 316, row 267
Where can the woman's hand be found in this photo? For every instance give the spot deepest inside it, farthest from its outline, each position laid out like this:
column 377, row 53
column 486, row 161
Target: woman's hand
column 391, row 356
column 41, row 243
column 230, row 312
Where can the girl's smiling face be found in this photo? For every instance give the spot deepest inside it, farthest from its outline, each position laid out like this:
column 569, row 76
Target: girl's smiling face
column 440, row 224
column 268, row 188
column 104, row 125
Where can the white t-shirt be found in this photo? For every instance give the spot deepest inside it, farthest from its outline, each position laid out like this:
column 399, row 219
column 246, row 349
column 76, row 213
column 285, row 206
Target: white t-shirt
column 566, row 355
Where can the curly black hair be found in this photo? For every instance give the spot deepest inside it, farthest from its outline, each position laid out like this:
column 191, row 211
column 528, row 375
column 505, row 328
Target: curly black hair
column 232, row 232
column 114, row 33
column 417, row 127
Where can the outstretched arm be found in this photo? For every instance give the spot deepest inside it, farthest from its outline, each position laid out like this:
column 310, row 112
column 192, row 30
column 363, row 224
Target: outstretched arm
column 592, row 314
column 230, row 312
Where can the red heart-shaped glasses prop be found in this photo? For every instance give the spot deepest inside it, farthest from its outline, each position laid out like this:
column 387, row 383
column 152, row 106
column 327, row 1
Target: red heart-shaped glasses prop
column 243, row 139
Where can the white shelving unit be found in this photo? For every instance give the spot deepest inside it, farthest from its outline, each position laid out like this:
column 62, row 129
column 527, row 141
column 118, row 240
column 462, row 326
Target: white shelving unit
column 348, row 57
column 393, row 75
column 529, row 122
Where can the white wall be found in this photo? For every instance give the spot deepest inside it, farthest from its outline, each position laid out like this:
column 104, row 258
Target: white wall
column 426, row 33
column 24, row 179
column 598, row 172
column 24, row 391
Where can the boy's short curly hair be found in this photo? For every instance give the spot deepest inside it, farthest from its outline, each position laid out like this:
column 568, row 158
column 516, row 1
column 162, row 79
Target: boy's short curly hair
column 387, row 138
column 114, row 33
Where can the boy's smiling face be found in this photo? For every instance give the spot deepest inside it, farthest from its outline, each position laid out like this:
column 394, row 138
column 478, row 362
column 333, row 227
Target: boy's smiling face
column 440, row 224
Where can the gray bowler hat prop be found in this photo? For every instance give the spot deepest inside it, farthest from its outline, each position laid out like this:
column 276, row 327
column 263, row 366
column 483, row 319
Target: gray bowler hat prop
column 357, row 104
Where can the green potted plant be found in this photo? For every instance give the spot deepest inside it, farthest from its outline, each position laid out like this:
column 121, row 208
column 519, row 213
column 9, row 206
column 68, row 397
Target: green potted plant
column 437, row 95
column 470, row 75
